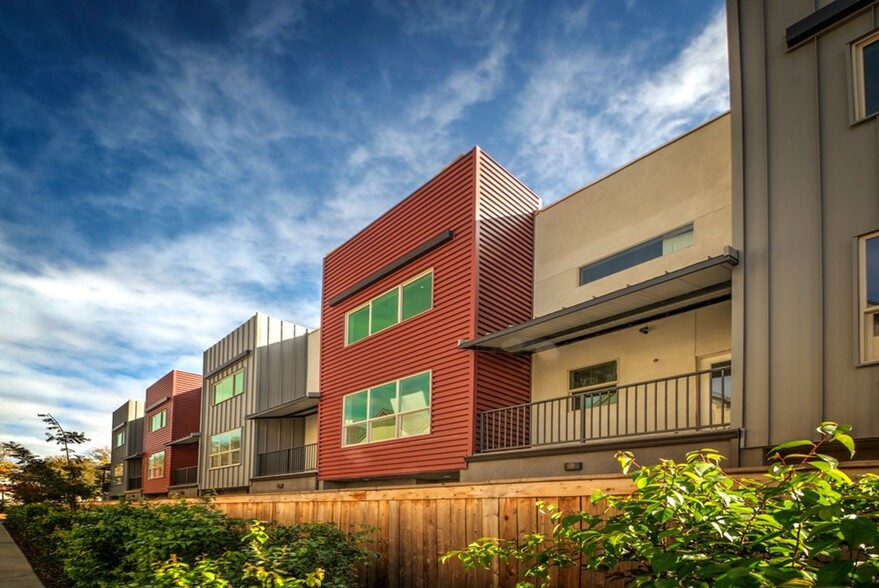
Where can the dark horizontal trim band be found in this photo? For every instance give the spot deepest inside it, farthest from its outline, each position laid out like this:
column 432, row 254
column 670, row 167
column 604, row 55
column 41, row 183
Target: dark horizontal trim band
column 157, row 404
column 401, row 261
column 823, row 19
column 226, row 364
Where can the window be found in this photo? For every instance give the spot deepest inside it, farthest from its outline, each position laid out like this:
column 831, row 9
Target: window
column 401, row 303
column 226, row 449
column 120, row 438
column 657, row 247
column 865, row 76
column 231, row 385
column 721, row 381
column 388, row 411
column 869, row 297
column 158, row 420
column 156, row 465
column 118, row 472
column 593, row 385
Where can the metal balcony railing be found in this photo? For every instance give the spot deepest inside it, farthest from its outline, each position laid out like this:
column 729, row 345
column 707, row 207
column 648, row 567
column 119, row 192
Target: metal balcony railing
column 134, row 483
column 687, row 402
column 183, row 476
column 288, row 461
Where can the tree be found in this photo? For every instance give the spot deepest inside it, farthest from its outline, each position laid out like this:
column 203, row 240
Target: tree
column 66, row 478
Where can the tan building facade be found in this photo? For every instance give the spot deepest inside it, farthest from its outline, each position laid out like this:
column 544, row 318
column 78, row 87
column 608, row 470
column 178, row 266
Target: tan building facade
column 805, row 215
column 630, row 342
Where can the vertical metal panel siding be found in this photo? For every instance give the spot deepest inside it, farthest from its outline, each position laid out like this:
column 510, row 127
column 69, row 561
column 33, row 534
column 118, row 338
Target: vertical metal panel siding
column 282, row 363
column 229, row 414
column 129, row 414
column 427, row 341
column 505, row 288
column 274, row 375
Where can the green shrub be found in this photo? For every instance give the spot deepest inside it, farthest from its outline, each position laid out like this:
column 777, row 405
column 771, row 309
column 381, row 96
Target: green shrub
column 692, row 524
column 325, row 546
column 37, row 529
column 114, row 545
column 182, row 544
column 259, row 563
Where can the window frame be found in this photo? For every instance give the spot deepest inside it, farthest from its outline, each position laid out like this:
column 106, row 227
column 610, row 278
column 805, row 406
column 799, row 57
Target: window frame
column 689, row 228
column 230, row 451
column 606, row 392
column 400, row 303
column 118, row 474
column 120, row 438
column 164, row 418
column 232, row 376
column 867, row 354
column 153, row 469
column 398, row 414
column 855, row 57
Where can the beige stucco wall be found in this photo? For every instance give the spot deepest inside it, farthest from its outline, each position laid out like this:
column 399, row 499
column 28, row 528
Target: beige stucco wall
column 685, row 181
column 313, row 378
column 310, row 430
column 673, row 345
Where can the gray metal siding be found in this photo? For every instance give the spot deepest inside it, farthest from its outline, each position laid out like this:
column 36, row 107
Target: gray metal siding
column 130, row 415
column 275, row 373
column 283, row 362
column 808, row 187
column 277, row 434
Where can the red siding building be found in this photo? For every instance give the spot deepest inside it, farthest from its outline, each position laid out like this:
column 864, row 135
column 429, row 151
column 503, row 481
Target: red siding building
column 170, row 439
column 451, row 262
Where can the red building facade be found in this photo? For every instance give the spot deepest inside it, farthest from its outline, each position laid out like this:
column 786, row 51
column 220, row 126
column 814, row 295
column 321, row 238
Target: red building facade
column 451, row 262
column 171, row 423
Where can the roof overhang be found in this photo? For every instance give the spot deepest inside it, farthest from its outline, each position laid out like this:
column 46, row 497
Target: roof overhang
column 300, row 407
column 190, row 439
column 135, row 456
column 701, row 284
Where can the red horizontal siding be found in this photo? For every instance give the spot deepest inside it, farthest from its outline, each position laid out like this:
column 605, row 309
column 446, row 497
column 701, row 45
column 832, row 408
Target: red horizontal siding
column 187, row 404
column 505, row 281
column 425, row 342
column 491, row 214
column 184, row 391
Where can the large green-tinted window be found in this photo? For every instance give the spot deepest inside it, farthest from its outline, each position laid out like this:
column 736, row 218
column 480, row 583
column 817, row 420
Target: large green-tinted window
column 385, row 311
column 417, row 296
column 158, row 420
column 120, row 438
column 226, row 449
column 156, row 465
column 396, row 409
column 358, row 324
column 401, row 303
column 231, row 385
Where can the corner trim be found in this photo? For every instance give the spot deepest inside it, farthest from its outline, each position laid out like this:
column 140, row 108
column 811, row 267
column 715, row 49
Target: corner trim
column 401, row 261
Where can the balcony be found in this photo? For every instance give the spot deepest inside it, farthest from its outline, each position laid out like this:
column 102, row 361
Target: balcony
column 184, row 476
column 288, row 461
column 134, row 483
column 694, row 401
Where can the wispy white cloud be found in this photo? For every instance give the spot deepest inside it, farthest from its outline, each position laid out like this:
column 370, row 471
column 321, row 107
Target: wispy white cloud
column 585, row 113
column 218, row 220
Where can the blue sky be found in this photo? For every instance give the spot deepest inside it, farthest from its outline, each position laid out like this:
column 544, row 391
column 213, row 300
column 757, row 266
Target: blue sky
column 169, row 168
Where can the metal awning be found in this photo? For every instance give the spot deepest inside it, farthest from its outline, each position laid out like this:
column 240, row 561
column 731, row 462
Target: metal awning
column 703, row 283
column 190, row 439
column 300, row 407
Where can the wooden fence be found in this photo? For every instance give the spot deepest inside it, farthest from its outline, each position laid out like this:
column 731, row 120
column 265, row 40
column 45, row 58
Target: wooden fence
column 414, row 525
